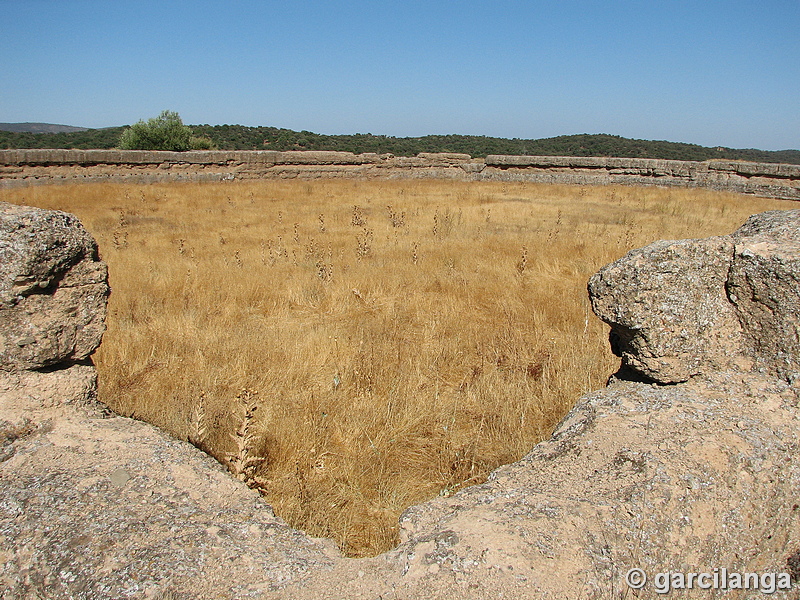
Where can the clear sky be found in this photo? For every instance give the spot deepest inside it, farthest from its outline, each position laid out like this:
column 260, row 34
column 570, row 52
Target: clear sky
column 708, row 72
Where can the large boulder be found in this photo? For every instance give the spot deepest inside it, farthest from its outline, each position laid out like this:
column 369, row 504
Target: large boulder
column 683, row 308
column 53, row 289
column 670, row 317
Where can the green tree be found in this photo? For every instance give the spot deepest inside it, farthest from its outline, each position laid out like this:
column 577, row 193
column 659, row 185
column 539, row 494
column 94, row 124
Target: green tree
column 164, row 132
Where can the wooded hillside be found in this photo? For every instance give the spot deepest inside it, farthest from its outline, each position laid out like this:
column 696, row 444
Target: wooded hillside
column 240, row 137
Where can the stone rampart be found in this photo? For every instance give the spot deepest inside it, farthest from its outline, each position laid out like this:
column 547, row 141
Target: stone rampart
column 27, row 167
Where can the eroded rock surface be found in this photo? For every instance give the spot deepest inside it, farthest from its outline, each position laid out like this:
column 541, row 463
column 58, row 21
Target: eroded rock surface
column 684, row 308
column 699, row 475
column 669, row 314
column 681, row 478
column 764, row 286
column 114, row 508
column 53, row 289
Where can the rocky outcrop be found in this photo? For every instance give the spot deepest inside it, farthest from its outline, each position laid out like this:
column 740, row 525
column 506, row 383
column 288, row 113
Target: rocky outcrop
column 53, row 294
column 53, row 289
column 26, row 167
column 699, row 476
column 94, row 508
column 682, row 478
column 680, row 309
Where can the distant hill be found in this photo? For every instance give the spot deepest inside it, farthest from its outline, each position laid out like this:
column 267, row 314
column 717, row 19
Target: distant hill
column 240, row 137
column 39, row 128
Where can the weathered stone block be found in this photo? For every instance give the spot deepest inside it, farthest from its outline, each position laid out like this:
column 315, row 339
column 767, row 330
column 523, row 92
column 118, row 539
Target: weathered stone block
column 670, row 317
column 53, row 289
column 678, row 309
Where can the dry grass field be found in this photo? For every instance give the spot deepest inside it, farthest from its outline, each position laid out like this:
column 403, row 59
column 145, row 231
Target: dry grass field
column 354, row 347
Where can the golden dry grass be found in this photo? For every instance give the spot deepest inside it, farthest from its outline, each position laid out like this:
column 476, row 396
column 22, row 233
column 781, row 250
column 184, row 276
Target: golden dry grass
column 355, row 347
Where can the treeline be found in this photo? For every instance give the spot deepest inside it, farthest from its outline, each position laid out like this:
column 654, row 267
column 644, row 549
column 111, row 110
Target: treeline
column 240, row 137
column 89, row 139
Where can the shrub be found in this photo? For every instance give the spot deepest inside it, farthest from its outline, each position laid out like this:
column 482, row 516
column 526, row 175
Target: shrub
column 201, row 142
column 164, row 132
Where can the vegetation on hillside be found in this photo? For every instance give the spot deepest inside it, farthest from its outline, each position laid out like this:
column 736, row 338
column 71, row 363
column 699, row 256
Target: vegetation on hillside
column 351, row 348
column 237, row 137
column 240, row 137
column 108, row 137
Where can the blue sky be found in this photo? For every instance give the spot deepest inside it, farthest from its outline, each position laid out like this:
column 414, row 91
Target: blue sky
column 706, row 72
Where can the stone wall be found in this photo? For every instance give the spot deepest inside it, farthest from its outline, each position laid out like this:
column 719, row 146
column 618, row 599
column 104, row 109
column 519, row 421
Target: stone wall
column 26, row 167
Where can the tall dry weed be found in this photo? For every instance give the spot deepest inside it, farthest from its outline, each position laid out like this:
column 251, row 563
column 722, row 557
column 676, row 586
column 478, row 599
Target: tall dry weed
column 395, row 340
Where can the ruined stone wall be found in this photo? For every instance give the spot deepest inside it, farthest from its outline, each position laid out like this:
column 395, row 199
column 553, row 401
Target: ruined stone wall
column 27, row 167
